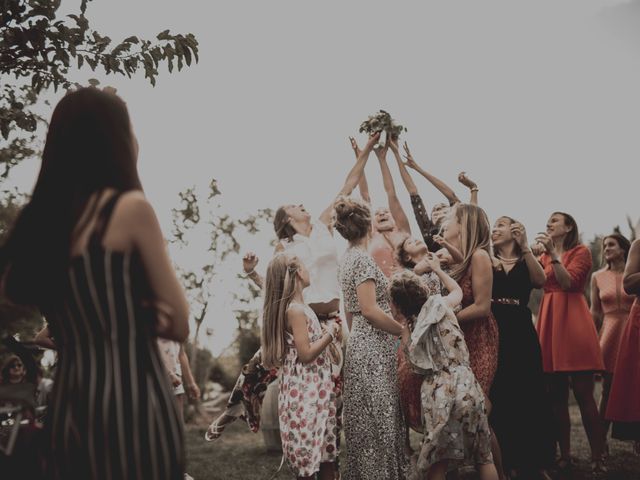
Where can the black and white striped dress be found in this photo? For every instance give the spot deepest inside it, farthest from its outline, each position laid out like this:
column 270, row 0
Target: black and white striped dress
column 112, row 414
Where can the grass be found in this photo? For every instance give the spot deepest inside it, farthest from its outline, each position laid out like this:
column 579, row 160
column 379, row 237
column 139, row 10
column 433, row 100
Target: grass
column 241, row 455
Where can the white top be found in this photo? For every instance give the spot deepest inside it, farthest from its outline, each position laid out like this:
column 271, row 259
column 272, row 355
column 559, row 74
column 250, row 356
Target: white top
column 319, row 255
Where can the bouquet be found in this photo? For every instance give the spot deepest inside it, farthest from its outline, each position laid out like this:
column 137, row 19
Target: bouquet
column 382, row 122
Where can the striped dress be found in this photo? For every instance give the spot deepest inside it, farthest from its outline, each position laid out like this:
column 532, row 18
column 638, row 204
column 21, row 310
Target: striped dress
column 112, row 414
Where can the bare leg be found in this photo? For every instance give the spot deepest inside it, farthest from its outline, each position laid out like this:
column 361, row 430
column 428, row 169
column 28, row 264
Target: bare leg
column 604, row 399
column 583, row 390
column 559, row 384
column 488, row 472
column 438, row 471
column 180, row 407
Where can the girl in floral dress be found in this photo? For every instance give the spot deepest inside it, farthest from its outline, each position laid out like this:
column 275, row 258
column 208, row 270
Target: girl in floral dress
column 456, row 428
column 293, row 340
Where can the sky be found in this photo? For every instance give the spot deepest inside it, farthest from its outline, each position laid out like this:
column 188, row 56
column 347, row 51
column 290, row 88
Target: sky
column 537, row 101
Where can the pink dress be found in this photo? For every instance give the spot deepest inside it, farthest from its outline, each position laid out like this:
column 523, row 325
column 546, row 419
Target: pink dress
column 307, row 406
column 616, row 305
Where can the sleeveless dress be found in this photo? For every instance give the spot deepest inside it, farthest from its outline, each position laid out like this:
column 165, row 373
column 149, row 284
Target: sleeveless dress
column 455, row 419
column 481, row 336
column 623, row 407
column 568, row 336
column 373, row 424
column 616, row 305
column 521, row 417
column 112, row 412
column 307, row 406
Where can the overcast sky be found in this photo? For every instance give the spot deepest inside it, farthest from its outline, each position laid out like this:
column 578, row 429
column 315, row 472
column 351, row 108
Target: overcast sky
column 538, row 101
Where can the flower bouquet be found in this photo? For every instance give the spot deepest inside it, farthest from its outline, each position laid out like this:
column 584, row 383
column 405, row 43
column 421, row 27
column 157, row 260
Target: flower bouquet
column 382, row 122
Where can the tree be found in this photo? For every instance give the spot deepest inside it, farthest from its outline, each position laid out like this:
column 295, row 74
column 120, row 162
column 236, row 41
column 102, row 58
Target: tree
column 198, row 217
column 39, row 48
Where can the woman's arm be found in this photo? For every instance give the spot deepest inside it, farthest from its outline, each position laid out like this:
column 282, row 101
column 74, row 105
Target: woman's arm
column 366, row 292
column 471, row 185
column 249, row 264
column 397, row 212
column 43, row 338
column 139, row 219
column 596, row 305
column 631, row 278
column 432, row 263
column 536, row 272
column 352, row 178
column 573, row 275
column 363, row 186
column 436, row 182
column 481, row 284
column 307, row 351
column 191, row 387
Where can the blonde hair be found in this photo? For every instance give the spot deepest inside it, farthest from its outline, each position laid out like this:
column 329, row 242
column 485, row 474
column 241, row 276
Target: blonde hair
column 475, row 234
column 281, row 283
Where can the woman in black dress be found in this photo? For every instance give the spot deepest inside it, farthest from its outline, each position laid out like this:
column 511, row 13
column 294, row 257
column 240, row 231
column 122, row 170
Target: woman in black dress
column 521, row 414
column 87, row 250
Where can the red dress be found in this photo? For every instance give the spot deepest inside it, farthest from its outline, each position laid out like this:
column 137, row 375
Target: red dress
column 568, row 336
column 481, row 337
column 616, row 305
column 624, row 400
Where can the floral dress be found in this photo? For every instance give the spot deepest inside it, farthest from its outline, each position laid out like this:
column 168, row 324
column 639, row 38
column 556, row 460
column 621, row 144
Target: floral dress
column 455, row 420
column 307, row 406
column 373, row 424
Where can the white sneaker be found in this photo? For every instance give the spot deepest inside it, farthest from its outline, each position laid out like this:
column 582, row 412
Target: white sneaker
column 187, row 476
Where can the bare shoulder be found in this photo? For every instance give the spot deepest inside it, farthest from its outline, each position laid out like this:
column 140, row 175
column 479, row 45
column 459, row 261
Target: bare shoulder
column 134, row 209
column 481, row 257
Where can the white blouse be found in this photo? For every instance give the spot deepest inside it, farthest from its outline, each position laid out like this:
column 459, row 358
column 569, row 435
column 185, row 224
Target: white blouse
column 320, row 256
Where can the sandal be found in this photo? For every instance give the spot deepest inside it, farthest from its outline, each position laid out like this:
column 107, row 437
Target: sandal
column 215, row 430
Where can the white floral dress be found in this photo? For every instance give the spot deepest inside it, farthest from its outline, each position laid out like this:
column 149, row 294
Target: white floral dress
column 455, row 420
column 307, row 406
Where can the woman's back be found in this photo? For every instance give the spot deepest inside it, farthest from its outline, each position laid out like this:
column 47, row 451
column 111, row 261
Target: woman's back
column 112, row 412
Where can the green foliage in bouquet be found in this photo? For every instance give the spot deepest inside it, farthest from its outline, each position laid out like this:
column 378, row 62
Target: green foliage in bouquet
column 382, row 122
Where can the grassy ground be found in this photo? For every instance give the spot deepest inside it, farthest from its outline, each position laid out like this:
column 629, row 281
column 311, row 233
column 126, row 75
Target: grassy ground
column 241, row 455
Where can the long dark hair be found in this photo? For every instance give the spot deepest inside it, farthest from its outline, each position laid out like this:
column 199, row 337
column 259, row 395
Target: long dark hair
column 572, row 238
column 89, row 147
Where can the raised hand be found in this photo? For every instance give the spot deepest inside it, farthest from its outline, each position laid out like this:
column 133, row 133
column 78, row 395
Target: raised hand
column 411, row 163
column 546, row 242
column 249, row 262
column 393, row 144
column 355, row 147
column 519, row 234
column 373, row 139
column 466, row 181
column 381, row 150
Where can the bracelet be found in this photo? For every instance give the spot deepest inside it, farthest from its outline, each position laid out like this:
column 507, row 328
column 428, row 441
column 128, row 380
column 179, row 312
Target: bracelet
column 248, row 274
column 524, row 252
column 556, row 261
column 474, row 189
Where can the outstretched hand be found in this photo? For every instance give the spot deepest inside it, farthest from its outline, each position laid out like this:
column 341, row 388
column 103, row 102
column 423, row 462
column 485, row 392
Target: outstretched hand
column 411, row 163
column 355, row 147
column 249, row 262
column 373, row 139
column 381, row 150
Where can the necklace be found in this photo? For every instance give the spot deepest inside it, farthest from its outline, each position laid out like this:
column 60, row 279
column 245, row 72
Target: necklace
column 508, row 261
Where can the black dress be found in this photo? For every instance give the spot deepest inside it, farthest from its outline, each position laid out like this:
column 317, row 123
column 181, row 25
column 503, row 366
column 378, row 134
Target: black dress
column 521, row 415
column 112, row 413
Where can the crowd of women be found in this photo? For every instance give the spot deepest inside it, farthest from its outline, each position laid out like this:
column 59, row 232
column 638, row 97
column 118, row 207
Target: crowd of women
column 439, row 337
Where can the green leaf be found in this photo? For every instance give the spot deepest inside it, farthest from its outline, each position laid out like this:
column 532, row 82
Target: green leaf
column 94, row 82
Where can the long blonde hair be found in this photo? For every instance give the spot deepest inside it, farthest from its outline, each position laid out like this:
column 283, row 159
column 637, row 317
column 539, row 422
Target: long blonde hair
column 281, row 284
column 475, row 233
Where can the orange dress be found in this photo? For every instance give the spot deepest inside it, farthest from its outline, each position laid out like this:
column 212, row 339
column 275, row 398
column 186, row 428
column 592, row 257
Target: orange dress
column 567, row 334
column 616, row 305
column 624, row 400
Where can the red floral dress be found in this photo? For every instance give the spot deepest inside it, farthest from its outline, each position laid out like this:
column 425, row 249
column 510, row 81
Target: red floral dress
column 307, row 406
column 481, row 337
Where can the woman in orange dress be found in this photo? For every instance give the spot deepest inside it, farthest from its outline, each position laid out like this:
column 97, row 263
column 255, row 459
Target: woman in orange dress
column 624, row 400
column 610, row 307
column 568, row 336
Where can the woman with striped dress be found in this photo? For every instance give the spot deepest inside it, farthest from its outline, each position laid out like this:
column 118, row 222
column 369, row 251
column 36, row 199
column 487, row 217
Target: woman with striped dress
column 87, row 250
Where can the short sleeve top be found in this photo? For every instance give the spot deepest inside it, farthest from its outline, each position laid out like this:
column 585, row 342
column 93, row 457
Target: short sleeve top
column 356, row 267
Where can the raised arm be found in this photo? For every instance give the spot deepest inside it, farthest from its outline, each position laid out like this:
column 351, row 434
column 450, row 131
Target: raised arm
column 431, row 263
column 397, row 212
column 536, row 272
column 352, row 178
column 471, row 185
column 307, row 351
column 436, row 182
column 249, row 263
column 363, row 186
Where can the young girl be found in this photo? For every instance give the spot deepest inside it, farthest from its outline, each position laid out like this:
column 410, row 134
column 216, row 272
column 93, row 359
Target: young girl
column 293, row 339
column 455, row 421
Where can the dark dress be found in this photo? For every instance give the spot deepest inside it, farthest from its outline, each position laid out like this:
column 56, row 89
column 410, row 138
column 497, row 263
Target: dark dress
column 112, row 413
column 521, row 416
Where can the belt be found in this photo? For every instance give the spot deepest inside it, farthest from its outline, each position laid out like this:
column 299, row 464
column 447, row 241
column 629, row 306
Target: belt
column 506, row 301
column 328, row 316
